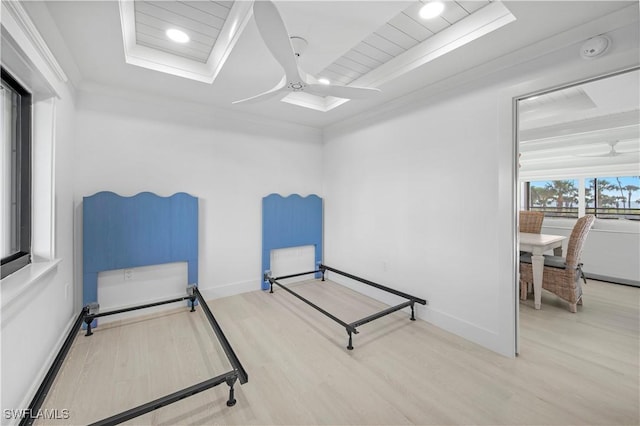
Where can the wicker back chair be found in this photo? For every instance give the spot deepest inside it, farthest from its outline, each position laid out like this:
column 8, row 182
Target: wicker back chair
column 562, row 275
column 531, row 221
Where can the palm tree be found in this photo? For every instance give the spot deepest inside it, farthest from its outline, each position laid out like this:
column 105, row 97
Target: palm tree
column 630, row 190
column 620, row 199
column 603, row 185
column 620, row 186
column 564, row 192
column 540, row 196
column 588, row 196
column 588, row 191
column 608, row 200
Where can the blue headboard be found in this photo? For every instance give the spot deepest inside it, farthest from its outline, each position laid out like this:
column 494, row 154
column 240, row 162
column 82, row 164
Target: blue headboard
column 127, row 232
column 290, row 222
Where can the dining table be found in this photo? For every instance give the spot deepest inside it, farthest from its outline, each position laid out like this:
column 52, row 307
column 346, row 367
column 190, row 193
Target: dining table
column 537, row 245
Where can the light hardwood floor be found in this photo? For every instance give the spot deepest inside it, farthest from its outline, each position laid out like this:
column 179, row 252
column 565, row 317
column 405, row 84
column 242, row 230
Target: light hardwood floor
column 573, row 369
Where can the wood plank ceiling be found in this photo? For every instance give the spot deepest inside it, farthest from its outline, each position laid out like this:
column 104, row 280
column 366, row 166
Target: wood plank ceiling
column 399, row 45
column 400, row 34
column 202, row 20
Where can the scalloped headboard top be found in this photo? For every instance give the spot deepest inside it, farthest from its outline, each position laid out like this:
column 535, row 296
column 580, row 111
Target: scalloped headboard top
column 145, row 229
column 290, row 221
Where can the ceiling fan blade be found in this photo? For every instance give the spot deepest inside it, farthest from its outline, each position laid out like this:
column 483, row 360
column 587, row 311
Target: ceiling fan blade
column 265, row 95
column 275, row 35
column 346, row 92
column 612, row 152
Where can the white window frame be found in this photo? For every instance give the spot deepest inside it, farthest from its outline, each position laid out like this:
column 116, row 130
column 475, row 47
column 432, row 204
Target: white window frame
column 26, row 56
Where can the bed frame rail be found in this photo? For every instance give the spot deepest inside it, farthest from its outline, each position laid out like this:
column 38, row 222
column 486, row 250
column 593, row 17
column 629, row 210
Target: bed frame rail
column 31, row 413
column 226, row 346
column 91, row 312
column 351, row 328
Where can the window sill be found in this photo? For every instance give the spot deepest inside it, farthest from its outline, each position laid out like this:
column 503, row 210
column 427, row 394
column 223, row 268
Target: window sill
column 20, row 281
column 615, row 226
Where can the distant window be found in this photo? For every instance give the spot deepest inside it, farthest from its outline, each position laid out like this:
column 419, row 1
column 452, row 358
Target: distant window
column 613, row 197
column 15, row 157
column 557, row 198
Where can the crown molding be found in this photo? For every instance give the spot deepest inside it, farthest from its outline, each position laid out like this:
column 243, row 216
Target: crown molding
column 157, row 60
column 560, row 171
column 103, row 98
column 29, row 30
column 609, row 64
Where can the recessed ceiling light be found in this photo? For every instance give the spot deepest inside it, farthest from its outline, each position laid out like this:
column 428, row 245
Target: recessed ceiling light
column 431, row 10
column 324, row 81
column 177, row 35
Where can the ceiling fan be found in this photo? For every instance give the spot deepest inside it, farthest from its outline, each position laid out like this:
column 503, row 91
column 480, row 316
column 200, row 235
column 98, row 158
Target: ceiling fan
column 612, row 151
column 274, row 33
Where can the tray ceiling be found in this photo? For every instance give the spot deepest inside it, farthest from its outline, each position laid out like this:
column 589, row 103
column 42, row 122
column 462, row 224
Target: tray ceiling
column 203, row 20
column 91, row 52
column 403, row 32
column 403, row 42
column 212, row 26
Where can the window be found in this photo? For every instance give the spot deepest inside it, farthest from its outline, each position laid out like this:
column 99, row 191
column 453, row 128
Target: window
column 557, row 198
column 613, row 197
column 15, row 157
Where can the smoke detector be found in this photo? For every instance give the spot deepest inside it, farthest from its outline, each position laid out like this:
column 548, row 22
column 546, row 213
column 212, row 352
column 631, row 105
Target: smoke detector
column 594, row 47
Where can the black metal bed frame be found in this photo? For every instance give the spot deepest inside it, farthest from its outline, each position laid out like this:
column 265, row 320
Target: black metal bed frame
column 90, row 312
column 351, row 328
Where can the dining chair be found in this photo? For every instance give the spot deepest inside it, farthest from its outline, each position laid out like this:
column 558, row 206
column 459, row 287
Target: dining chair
column 562, row 275
column 530, row 221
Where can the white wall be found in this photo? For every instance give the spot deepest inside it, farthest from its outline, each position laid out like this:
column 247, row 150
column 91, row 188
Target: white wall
column 131, row 143
column 412, row 202
column 36, row 315
column 611, row 250
column 393, row 180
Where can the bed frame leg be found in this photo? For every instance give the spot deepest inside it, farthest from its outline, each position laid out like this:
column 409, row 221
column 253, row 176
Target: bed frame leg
column 231, row 401
column 192, row 296
column 88, row 321
column 350, row 346
column 267, row 277
column 91, row 310
column 413, row 315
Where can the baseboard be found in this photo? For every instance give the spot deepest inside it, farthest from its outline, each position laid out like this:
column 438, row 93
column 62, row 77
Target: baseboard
column 460, row 327
column 229, row 289
column 484, row 337
column 45, row 369
column 615, row 280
